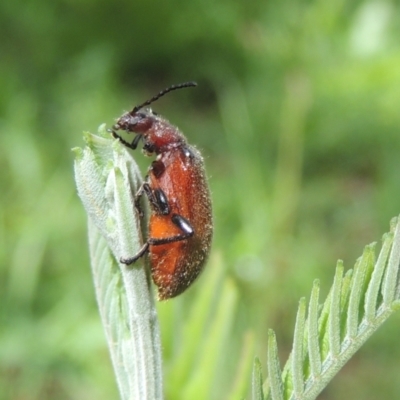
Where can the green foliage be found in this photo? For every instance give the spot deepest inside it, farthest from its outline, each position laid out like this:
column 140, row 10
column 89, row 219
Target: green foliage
column 372, row 294
column 103, row 172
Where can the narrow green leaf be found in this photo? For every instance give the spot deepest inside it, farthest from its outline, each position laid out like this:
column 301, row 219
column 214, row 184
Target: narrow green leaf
column 334, row 314
column 297, row 356
column 323, row 327
column 212, row 348
column 344, row 301
column 312, row 321
column 390, row 281
column 244, row 367
column 274, row 369
column 356, row 292
column 257, row 381
column 194, row 327
column 371, row 297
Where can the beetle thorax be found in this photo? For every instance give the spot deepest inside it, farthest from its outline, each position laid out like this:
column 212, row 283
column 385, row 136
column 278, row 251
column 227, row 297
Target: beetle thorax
column 162, row 136
column 157, row 133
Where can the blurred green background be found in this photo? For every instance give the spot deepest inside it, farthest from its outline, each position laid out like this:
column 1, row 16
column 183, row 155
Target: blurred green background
column 297, row 115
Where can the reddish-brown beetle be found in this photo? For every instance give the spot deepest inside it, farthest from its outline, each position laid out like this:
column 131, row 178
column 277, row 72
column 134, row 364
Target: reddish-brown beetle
column 180, row 226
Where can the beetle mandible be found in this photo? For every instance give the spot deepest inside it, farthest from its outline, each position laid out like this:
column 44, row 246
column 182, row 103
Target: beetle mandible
column 180, row 226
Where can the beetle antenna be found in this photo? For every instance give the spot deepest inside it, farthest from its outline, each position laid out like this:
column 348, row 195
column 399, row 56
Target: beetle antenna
column 162, row 93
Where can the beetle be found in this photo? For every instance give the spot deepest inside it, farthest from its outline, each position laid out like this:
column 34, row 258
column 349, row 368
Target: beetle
column 180, row 227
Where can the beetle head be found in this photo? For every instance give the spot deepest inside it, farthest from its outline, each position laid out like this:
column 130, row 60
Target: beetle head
column 157, row 133
column 139, row 122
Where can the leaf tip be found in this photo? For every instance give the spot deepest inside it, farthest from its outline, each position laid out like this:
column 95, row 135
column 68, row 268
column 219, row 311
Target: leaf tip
column 78, row 151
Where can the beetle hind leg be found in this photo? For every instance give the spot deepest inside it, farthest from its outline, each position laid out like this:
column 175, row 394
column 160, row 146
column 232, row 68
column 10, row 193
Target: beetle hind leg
column 128, row 261
column 183, row 224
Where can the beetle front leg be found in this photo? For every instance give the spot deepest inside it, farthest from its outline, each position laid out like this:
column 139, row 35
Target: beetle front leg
column 132, row 145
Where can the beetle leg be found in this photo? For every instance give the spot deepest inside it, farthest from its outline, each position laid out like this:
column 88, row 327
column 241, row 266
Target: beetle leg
column 157, row 199
column 183, row 224
column 132, row 145
column 123, row 141
column 160, row 202
column 128, row 261
column 137, row 198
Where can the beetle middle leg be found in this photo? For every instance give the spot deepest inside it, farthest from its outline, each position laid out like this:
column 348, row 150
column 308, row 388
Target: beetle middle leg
column 182, row 223
column 157, row 199
column 137, row 198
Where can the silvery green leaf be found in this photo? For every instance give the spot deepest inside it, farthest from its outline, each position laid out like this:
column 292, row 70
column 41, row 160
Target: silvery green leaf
column 107, row 179
column 359, row 302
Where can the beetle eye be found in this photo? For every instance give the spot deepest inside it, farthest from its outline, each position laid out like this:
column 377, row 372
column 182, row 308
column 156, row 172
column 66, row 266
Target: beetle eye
column 140, row 116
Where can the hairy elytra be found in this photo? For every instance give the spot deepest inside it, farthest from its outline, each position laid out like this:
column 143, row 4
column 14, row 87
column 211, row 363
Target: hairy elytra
column 180, row 226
